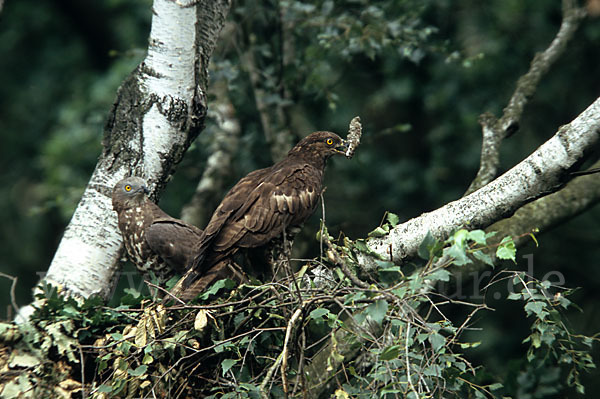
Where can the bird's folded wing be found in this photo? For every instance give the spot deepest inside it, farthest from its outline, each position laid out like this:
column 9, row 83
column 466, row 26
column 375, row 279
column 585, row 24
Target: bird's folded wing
column 174, row 241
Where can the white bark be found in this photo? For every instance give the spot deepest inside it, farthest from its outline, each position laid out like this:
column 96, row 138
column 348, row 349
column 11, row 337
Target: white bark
column 169, row 75
column 158, row 112
column 87, row 256
column 539, row 174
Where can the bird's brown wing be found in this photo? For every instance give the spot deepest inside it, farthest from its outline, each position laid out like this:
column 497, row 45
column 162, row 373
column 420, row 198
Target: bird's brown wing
column 256, row 210
column 236, row 199
column 254, row 216
column 287, row 199
column 173, row 240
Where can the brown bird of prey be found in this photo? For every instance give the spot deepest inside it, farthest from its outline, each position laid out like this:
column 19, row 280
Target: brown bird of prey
column 154, row 241
column 262, row 206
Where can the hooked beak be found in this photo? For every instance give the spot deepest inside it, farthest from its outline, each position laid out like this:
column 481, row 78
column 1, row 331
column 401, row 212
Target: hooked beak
column 343, row 147
column 144, row 189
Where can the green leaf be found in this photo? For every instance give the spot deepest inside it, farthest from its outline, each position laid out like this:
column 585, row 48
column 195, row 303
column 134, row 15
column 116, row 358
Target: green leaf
column 437, row 341
column 216, row 287
column 422, row 337
column 392, row 219
column 400, row 292
column 458, row 254
column 507, row 249
column 479, row 394
column 378, row 310
column 319, row 313
column 514, row 296
column 333, row 321
column 147, row 359
column 105, row 388
column 227, row 364
column 535, row 307
column 548, row 338
column 490, row 234
column 535, row 340
column 546, row 284
column 460, row 237
column 223, row 346
column 466, row 345
column 483, row 257
column 391, row 352
column 355, row 296
column 387, row 265
column 478, row 236
column 495, row 386
column 138, row 371
column 440, row 275
column 426, row 246
column 132, row 291
column 433, row 371
column 517, row 278
column 361, row 246
column 70, row 311
column 378, row 232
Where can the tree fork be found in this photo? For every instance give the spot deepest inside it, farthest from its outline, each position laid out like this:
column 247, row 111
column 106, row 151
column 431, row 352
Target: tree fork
column 159, row 110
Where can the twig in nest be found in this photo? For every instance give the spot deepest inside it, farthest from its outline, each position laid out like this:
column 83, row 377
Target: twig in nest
column 284, row 353
column 13, row 285
column 353, row 138
column 282, row 358
column 334, row 256
column 165, row 291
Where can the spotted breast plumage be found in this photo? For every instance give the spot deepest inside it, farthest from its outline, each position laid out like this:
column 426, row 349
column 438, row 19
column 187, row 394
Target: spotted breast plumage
column 154, row 241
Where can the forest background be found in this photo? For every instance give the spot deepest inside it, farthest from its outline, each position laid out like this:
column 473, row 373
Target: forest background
column 63, row 60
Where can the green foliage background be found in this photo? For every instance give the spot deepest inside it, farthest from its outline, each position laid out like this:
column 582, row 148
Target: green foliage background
column 419, row 99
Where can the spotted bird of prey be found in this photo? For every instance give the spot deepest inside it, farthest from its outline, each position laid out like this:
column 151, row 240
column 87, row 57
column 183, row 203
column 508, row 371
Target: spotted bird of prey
column 261, row 207
column 154, row 241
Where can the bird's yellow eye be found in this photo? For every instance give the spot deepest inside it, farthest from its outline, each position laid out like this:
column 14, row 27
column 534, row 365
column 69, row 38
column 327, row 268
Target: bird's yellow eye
column 128, row 188
column 329, row 141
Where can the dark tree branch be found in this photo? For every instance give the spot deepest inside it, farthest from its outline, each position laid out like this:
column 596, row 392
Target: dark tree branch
column 218, row 166
column 586, row 172
column 272, row 117
column 13, row 285
column 495, row 130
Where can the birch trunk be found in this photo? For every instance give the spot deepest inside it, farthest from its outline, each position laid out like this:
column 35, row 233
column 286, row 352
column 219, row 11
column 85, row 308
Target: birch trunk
column 158, row 111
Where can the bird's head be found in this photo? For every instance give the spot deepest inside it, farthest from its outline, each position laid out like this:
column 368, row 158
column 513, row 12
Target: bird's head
column 320, row 145
column 130, row 191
